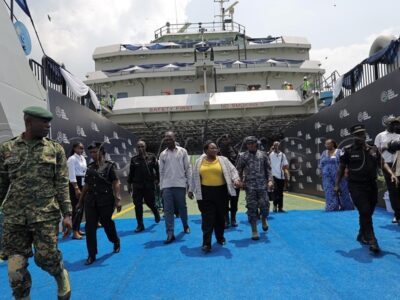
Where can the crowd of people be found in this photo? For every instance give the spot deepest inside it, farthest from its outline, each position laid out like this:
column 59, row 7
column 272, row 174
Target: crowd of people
column 37, row 183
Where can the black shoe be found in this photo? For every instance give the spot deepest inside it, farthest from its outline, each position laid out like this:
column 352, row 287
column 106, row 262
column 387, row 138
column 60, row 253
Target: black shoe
column 206, row 249
column 139, row 228
column 234, row 223
column 117, row 247
column 169, row 239
column 157, row 218
column 90, row 260
column 275, row 209
column 186, row 229
column 361, row 239
column 221, row 241
column 281, row 210
column 374, row 247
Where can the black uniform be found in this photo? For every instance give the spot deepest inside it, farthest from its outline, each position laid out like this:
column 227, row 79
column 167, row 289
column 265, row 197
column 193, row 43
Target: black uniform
column 100, row 204
column 362, row 163
column 142, row 176
column 230, row 153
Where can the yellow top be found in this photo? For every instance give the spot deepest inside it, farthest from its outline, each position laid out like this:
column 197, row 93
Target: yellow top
column 211, row 173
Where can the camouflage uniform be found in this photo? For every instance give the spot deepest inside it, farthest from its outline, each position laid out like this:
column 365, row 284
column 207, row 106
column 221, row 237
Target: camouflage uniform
column 255, row 170
column 33, row 193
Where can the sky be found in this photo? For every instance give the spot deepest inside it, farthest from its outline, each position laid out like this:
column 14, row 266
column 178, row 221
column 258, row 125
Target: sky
column 340, row 31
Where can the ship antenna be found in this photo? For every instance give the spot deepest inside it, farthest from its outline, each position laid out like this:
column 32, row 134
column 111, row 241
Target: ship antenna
column 222, row 10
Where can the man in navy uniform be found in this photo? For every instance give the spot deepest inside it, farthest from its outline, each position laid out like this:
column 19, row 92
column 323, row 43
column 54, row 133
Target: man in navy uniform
column 362, row 161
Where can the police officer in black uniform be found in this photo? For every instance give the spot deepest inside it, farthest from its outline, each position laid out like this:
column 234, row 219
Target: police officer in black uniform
column 142, row 180
column 102, row 195
column 362, row 161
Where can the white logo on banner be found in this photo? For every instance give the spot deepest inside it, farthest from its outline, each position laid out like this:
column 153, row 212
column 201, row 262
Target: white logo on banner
column 129, row 142
column 299, row 147
column 308, row 165
column 388, row 95
column 60, row 113
column 62, row 138
column 317, row 125
column 308, row 137
column 108, row 156
column 308, row 151
column 317, row 141
column 80, row 131
column 115, row 135
column 293, row 179
column 343, row 113
column 286, row 139
column 124, row 174
column 329, row 128
column 319, row 188
column 300, row 159
column 117, row 166
column 292, row 155
column 286, row 150
column 309, row 180
column 130, row 154
column 125, row 187
column 317, row 156
column 363, row 116
column 106, row 139
column 344, row 132
column 123, row 145
column 116, row 151
column 299, row 133
column 94, row 127
column 293, row 166
column 301, row 187
column 300, row 173
column 292, row 142
column 124, row 159
column 318, row 171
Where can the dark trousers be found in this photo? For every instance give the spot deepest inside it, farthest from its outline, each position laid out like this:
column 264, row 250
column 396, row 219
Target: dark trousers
column 77, row 215
column 394, row 195
column 94, row 214
column 365, row 197
column 213, row 209
column 232, row 205
column 148, row 196
column 278, row 192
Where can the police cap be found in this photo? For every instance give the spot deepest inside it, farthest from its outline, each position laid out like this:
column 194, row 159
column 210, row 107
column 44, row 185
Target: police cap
column 250, row 140
column 357, row 128
column 38, row 112
column 95, row 145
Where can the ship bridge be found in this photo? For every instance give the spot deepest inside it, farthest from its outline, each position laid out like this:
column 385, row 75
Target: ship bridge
column 199, row 117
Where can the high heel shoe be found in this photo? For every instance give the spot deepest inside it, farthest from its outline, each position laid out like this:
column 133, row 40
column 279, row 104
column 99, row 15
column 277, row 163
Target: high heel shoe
column 90, row 260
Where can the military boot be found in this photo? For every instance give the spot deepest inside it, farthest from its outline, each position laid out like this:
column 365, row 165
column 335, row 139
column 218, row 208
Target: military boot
column 264, row 223
column 254, row 232
column 64, row 286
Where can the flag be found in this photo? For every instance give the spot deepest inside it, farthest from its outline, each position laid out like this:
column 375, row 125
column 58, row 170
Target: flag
column 24, row 6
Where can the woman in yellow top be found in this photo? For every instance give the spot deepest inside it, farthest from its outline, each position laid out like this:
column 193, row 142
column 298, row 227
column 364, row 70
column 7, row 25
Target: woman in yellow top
column 213, row 179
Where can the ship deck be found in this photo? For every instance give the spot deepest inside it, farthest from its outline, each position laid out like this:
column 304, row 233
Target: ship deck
column 306, row 254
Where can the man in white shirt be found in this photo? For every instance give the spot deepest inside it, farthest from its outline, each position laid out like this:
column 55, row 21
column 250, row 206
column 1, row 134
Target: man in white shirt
column 175, row 175
column 381, row 141
column 280, row 172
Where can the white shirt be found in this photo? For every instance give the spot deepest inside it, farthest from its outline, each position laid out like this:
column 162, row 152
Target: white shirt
column 382, row 139
column 278, row 161
column 76, row 167
column 175, row 169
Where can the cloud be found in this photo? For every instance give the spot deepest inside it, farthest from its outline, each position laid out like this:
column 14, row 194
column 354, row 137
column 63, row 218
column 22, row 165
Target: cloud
column 344, row 58
column 78, row 27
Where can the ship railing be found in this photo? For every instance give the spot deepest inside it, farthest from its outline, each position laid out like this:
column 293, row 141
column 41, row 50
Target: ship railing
column 199, row 28
column 46, row 73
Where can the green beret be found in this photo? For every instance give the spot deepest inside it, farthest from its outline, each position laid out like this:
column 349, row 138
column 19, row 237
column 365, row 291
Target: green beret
column 38, row 112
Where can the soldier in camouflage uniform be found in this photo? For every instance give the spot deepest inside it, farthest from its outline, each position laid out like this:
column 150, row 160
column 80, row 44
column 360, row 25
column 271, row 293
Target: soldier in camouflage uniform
column 255, row 174
column 33, row 194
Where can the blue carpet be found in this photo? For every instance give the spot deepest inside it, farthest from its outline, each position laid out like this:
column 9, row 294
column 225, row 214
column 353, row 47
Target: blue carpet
column 306, row 255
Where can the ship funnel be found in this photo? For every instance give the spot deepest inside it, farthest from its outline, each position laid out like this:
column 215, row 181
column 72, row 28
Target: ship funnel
column 380, row 42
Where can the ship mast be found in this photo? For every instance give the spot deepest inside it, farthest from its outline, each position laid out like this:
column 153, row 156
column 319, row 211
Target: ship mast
column 224, row 11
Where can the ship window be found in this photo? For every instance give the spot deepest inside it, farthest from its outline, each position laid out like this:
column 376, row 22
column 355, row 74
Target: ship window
column 179, row 91
column 122, row 95
column 229, row 88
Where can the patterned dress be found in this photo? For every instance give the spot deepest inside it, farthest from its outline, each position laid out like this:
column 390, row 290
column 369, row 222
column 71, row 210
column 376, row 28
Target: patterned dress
column 328, row 166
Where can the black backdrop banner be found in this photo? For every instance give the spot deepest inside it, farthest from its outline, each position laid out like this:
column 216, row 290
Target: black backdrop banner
column 76, row 123
column 304, row 143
